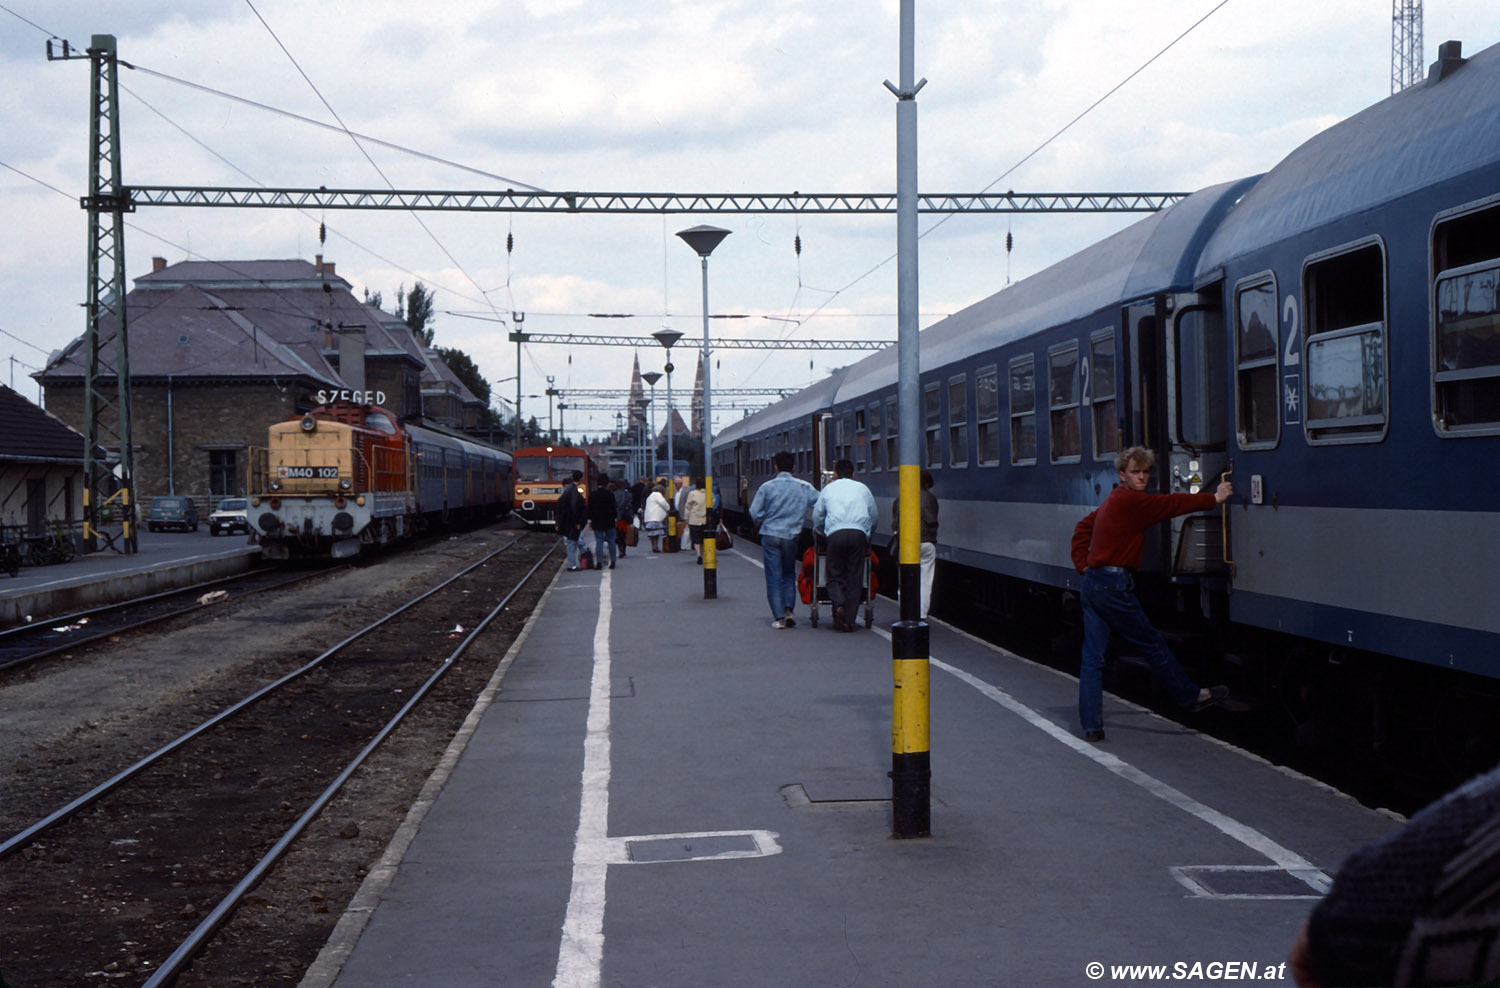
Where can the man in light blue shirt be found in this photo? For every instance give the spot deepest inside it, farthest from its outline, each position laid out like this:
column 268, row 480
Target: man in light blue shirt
column 780, row 509
column 845, row 512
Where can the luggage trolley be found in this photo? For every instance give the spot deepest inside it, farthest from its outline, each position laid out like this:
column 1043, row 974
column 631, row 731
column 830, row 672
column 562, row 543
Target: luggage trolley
column 820, row 583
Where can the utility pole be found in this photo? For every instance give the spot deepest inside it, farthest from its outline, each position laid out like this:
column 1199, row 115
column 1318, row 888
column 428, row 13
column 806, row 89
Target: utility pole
column 108, row 494
column 1406, row 44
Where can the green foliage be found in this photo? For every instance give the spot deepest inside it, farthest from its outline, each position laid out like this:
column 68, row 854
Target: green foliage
column 416, row 310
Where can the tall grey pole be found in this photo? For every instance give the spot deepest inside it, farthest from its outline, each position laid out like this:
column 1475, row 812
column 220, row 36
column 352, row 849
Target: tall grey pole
column 703, row 240
column 911, row 761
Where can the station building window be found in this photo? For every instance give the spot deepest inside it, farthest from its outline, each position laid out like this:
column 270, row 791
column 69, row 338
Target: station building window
column 1257, row 394
column 1023, row 411
column 958, row 422
column 1346, row 347
column 1064, row 403
column 932, row 418
column 987, row 415
column 1105, row 408
column 1466, row 323
column 223, row 473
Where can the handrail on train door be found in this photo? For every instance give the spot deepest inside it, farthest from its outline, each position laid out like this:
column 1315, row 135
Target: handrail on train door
column 1224, row 522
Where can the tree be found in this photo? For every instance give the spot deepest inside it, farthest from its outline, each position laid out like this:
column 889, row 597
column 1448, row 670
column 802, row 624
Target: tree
column 374, row 299
column 464, row 368
column 415, row 309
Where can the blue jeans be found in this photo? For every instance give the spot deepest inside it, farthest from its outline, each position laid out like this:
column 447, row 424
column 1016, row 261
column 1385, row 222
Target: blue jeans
column 571, row 545
column 601, row 538
column 780, row 559
column 1110, row 604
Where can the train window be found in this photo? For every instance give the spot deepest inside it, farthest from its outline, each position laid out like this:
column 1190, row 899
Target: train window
column 380, row 422
column 1023, row 410
column 987, row 414
column 932, row 418
column 846, row 435
column 861, row 440
column 1106, row 420
column 1466, row 324
column 958, row 422
column 1257, row 395
column 892, row 442
column 1346, row 351
column 1200, row 371
column 874, row 420
column 1064, row 403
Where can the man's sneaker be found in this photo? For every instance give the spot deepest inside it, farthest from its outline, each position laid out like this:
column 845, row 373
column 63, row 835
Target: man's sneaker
column 788, row 621
column 777, row 625
column 1216, row 695
column 1093, row 735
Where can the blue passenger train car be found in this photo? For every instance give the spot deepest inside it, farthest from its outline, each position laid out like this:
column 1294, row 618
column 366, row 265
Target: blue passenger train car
column 1329, row 332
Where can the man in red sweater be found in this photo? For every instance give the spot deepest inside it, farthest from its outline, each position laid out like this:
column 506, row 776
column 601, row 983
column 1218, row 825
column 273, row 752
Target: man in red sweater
column 1107, row 546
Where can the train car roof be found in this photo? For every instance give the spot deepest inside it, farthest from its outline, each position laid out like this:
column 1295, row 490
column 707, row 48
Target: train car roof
column 1157, row 253
column 816, row 397
column 1439, row 130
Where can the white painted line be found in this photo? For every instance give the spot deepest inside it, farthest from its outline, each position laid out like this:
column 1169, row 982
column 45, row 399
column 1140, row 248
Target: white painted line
column 580, row 955
column 1283, row 857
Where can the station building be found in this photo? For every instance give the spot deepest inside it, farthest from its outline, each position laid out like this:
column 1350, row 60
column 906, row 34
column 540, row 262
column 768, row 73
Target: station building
column 221, row 350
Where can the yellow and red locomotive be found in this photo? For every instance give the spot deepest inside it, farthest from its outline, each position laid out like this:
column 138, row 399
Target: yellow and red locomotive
column 344, row 475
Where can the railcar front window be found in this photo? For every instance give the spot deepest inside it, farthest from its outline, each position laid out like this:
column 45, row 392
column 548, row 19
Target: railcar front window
column 1346, row 352
column 531, row 469
column 1023, row 411
column 1258, row 399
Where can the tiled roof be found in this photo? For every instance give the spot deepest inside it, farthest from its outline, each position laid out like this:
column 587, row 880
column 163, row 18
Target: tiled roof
column 34, row 434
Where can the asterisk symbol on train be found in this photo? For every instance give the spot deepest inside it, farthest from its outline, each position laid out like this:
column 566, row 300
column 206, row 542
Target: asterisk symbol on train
column 1291, row 399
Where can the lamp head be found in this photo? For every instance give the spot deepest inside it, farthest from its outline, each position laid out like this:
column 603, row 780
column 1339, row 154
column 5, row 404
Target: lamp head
column 651, row 377
column 703, row 239
column 666, row 337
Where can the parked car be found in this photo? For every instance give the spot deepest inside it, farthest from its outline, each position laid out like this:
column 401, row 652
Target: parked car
column 172, row 511
column 229, row 516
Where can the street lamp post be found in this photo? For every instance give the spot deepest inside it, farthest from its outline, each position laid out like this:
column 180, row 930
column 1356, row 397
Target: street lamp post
column 551, row 391
column 703, row 240
column 666, row 337
column 651, row 377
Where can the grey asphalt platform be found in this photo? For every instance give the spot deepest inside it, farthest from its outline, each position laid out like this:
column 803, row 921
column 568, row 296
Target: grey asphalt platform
column 162, row 561
column 664, row 791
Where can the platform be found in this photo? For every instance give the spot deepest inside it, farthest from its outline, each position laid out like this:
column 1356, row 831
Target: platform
column 162, row 561
column 664, row 791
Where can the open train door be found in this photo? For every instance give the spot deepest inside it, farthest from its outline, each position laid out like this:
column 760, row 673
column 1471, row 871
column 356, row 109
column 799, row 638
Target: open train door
column 822, row 448
column 1198, row 422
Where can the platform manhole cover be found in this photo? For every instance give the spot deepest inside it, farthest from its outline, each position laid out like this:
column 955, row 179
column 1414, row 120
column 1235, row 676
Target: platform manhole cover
column 690, row 848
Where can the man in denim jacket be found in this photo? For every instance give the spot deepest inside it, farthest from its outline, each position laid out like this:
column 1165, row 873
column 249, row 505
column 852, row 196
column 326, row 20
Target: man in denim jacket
column 780, row 509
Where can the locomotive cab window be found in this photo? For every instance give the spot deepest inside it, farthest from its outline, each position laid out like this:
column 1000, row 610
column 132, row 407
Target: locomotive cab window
column 1102, row 383
column 1466, row 324
column 958, row 422
column 1257, row 396
column 1064, row 404
column 1023, row 411
column 1346, row 347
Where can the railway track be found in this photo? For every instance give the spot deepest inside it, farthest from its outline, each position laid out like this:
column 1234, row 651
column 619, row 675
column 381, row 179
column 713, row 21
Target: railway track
column 26, row 643
column 146, row 867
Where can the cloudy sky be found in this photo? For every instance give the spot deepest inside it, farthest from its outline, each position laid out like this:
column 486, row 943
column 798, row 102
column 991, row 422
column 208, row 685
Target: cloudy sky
column 679, row 96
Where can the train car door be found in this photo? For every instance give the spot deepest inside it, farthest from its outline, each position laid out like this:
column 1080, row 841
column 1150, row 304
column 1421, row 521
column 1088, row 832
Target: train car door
column 1197, row 428
column 822, row 448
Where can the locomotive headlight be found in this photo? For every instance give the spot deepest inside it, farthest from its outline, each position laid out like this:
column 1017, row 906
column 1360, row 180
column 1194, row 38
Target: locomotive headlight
column 309, row 423
column 344, row 484
column 275, row 485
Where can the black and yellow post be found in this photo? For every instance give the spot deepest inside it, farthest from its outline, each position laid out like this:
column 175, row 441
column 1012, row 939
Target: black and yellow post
column 911, row 756
column 710, row 544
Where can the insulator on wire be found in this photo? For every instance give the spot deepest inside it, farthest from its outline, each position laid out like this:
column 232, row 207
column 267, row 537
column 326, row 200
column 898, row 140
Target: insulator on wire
column 1009, row 242
column 322, row 233
column 510, row 242
column 797, row 244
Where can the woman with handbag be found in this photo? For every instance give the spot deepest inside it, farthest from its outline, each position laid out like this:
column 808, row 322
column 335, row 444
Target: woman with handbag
column 654, row 515
column 696, row 510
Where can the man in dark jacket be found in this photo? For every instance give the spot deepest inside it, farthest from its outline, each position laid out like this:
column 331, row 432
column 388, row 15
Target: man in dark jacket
column 572, row 515
column 602, row 514
column 1107, row 547
column 625, row 508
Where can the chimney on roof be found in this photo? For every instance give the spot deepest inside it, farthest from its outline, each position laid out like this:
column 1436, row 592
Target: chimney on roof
column 352, row 356
column 158, row 264
column 321, row 266
column 1450, row 59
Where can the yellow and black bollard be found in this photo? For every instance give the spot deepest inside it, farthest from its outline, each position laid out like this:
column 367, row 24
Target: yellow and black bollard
column 911, row 755
column 710, row 544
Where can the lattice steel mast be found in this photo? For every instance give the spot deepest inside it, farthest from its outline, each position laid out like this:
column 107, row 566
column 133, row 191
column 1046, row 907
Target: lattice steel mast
column 1406, row 44
column 109, row 476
